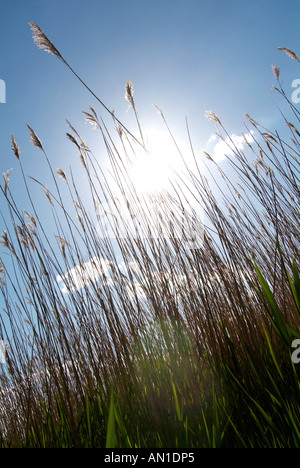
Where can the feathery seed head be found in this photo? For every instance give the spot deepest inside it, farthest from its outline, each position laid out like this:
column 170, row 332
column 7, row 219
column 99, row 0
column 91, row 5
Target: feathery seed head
column 292, row 126
column 31, row 217
column 47, row 193
column 129, row 92
column 35, row 139
column 276, row 71
column 15, row 147
column 82, row 160
column 207, row 155
column 4, row 240
column 62, row 244
column 62, row 174
column 212, row 116
column 289, row 52
column 42, row 40
column 6, row 180
column 72, row 138
column 92, row 120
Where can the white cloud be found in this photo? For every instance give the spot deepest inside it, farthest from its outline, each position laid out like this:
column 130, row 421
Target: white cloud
column 212, row 138
column 84, row 274
column 229, row 145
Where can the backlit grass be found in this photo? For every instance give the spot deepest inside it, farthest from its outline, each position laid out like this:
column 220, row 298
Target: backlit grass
column 151, row 341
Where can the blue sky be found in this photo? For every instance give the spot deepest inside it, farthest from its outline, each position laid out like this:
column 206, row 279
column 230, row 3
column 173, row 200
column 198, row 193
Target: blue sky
column 185, row 56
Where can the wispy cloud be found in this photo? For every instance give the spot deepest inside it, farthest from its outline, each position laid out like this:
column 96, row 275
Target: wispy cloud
column 229, row 145
column 84, row 274
column 212, row 138
column 170, row 282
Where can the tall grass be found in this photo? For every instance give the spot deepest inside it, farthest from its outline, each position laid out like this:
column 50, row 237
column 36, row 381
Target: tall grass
column 152, row 343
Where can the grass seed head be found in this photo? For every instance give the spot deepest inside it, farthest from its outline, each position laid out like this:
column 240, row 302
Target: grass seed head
column 290, row 53
column 15, row 147
column 35, row 139
column 129, row 92
column 62, row 174
column 42, row 41
column 276, row 71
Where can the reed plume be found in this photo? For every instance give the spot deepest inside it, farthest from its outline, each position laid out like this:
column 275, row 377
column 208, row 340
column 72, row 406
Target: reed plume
column 290, row 53
column 35, row 139
column 276, row 71
column 15, row 148
column 43, row 42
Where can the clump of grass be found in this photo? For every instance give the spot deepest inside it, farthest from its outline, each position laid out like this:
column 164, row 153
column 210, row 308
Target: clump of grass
column 158, row 345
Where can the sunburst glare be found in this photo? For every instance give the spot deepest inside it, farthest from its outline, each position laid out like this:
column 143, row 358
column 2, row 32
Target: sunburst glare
column 154, row 171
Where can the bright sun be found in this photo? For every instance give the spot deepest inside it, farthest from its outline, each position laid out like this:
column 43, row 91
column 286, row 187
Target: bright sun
column 151, row 199
column 152, row 172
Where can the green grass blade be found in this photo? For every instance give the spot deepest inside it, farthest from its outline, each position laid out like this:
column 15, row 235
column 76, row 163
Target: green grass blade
column 296, row 286
column 178, row 412
column 88, row 419
column 273, row 355
column 111, row 425
column 276, row 317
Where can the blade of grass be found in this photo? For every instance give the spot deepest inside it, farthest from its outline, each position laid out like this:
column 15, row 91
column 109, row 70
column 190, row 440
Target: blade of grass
column 111, row 426
column 276, row 316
